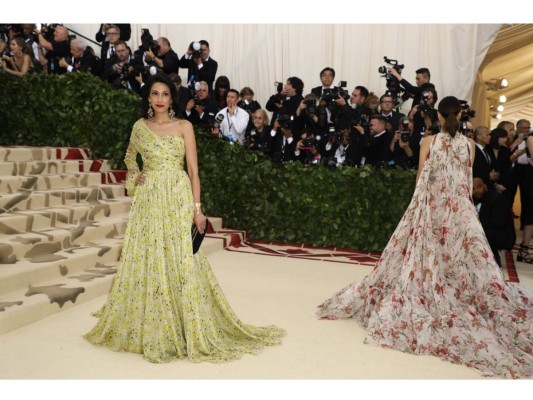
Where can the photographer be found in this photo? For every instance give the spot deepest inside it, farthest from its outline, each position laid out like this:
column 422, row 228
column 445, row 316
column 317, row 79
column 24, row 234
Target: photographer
column 118, row 69
column 83, row 59
column 112, row 33
column 183, row 94
column 310, row 117
column 248, row 104
column 283, row 141
column 287, row 100
column 257, row 137
column 423, row 83
column 201, row 67
column 424, row 115
column 404, row 147
column 307, row 149
column 233, row 126
column 340, row 148
column 200, row 106
column 393, row 117
column 357, row 109
column 164, row 58
column 56, row 49
column 377, row 151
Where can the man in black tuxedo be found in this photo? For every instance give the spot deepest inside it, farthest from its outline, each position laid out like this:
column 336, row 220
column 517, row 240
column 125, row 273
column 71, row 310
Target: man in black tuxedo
column 393, row 117
column 108, row 46
column 484, row 161
column 377, row 152
column 284, row 143
column 201, row 67
column 118, row 70
column 327, row 75
column 496, row 218
column 83, row 59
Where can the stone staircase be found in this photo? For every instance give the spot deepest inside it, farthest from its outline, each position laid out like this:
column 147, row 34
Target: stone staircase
column 62, row 221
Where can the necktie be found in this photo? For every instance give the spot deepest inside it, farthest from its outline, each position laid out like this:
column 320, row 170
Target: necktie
column 112, row 51
column 486, row 156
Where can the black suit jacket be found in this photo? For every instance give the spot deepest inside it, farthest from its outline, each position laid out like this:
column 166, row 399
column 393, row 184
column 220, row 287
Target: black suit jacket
column 207, row 73
column 280, row 153
column 497, row 220
column 481, row 168
column 377, row 150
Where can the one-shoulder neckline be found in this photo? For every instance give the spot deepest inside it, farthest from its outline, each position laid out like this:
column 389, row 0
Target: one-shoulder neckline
column 159, row 136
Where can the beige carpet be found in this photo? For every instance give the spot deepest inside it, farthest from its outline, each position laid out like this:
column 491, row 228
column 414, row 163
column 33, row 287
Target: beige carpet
column 262, row 290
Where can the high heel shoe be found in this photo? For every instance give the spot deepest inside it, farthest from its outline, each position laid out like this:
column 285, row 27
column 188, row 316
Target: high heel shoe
column 523, row 254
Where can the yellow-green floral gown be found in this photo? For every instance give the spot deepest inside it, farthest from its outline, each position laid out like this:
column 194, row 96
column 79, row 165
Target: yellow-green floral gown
column 165, row 302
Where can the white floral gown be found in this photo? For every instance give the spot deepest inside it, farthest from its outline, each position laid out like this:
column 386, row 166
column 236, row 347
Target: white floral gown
column 165, row 302
column 436, row 288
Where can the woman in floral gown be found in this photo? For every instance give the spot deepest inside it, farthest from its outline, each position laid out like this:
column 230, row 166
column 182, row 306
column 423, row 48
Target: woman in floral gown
column 437, row 288
column 165, row 301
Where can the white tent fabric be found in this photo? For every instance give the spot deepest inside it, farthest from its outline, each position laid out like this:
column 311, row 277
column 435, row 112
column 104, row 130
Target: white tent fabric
column 257, row 55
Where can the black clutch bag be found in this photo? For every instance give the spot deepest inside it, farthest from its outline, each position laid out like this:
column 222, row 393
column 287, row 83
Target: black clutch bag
column 197, row 237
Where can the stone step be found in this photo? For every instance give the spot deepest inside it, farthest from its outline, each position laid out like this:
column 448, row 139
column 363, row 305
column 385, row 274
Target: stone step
column 31, row 153
column 11, row 168
column 62, row 263
column 12, row 184
column 46, row 218
column 63, row 290
column 42, row 245
column 39, row 301
column 30, row 200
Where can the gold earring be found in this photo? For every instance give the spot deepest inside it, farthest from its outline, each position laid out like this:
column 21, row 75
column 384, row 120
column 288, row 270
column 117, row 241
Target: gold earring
column 150, row 112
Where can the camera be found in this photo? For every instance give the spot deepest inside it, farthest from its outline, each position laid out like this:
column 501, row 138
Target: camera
column 311, row 105
column 195, row 47
column 331, row 94
column 285, row 121
column 279, row 97
column 148, row 42
column 199, row 102
column 404, row 133
column 467, row 111
column 393, row 85
column 424, row 102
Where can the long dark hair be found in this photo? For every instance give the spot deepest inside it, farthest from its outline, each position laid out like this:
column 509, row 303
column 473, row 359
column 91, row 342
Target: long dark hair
column 449, row 108
column 495, row 134
column 147, row 88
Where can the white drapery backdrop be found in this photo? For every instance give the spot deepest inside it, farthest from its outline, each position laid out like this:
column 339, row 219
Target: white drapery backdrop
column 257, row 55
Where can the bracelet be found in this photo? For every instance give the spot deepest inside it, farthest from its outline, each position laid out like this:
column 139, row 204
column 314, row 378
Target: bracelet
column 198, row 207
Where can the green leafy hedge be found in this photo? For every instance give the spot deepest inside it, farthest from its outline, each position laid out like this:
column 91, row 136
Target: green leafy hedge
column 348, row 207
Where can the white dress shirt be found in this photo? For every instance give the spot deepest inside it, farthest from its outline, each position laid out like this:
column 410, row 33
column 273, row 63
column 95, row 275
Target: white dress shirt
column 234, row 124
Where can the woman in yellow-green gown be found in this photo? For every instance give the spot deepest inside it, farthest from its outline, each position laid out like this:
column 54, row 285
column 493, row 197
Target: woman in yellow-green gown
column 165, row 302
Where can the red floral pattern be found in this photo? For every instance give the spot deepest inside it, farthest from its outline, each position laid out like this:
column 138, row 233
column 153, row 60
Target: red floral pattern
column 436, row 288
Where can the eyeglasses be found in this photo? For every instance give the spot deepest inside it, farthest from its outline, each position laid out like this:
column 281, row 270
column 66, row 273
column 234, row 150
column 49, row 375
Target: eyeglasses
column 524, row 127
column 258, row 118
column 387, row 101
column 112, row 33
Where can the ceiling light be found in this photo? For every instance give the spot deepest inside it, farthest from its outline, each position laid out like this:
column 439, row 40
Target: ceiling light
column 503, row 99
column 498, row 116
column 499, row 108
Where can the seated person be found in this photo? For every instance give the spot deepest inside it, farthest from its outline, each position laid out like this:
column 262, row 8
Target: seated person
column 258, row 136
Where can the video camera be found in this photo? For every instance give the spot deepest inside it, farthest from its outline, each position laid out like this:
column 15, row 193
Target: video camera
column 311, row 105
column 393, row 85
column 148, row 42
column 47, row 30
